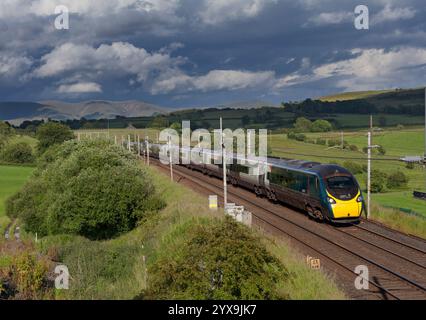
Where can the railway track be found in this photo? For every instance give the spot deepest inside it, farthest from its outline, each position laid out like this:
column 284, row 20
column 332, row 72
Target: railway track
column 397, row 266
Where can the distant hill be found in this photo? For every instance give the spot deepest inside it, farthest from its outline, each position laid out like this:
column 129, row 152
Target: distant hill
column 16, row 112
column 381, row 98
column 252, row 104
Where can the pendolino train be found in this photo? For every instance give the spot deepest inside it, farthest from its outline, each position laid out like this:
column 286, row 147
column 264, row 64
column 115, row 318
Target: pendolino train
column 326, row 192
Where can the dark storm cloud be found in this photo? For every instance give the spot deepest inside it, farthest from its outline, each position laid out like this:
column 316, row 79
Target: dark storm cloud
column 192, row 52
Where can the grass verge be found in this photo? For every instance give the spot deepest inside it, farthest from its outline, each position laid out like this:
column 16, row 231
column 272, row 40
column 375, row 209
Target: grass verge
column 116, row 269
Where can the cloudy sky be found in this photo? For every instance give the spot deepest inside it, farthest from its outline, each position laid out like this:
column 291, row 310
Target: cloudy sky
column 206, row 52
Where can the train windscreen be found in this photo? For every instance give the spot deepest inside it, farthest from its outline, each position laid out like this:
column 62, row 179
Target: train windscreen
column 342, row 187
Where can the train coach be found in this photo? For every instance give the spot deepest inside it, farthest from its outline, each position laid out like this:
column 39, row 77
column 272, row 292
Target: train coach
column 325, row 192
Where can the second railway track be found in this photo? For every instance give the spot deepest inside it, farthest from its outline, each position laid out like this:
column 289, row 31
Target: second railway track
column 396, row 270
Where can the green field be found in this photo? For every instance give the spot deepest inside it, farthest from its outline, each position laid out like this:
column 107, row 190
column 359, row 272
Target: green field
column 353, row 95
column 11, row 180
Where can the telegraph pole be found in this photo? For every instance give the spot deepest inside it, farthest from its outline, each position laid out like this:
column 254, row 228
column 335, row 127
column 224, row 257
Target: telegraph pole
column 369, row 148
column 369, row 175
column 225, row 184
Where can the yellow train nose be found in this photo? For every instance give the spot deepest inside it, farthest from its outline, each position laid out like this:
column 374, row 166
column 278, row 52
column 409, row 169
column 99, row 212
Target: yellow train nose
column 346, row 209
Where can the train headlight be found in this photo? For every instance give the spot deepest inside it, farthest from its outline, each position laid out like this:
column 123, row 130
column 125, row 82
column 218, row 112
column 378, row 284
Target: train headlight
column 360, row 199
column 332, row 201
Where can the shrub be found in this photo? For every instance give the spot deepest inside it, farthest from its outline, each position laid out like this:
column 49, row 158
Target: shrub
column 381, row 150
column 303, row 125
column 397, row 180
column 52, row 133
column 321, row 126
column 94, row 191
column 353, row 147
column 321, row 141
column 410, row 165
column 24, row 276
column 378, row 180
column 333, row 143
column 219, row 260
column 20, row 152
column 296, row 136
column 353, row 167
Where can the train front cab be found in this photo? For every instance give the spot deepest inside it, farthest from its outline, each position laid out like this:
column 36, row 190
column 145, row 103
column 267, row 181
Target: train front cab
column 344, row 199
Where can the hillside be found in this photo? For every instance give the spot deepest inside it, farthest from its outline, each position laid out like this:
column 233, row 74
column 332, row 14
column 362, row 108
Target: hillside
column 381, row 98
column 17, row 112
column 345, row 96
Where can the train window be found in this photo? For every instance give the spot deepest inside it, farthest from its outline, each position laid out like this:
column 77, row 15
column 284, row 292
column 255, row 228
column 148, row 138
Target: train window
column 342, row 187
column 239, row 168
column 341, row 182
column 314, row 187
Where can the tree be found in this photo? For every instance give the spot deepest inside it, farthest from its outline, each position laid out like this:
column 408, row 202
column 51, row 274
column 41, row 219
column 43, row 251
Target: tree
column 221, row 260
column 52, row 133
column 159, row 122
column 20, row 152
column 93, row 190
column 378, row 180
column 397, row 180
column 5, row 129
column 321, row 126
column 176, row 126
column 303, row 125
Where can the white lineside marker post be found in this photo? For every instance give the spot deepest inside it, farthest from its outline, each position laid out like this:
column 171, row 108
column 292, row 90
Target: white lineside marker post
column 170, row 158
column 115, row 140
column 225, row 183
column 128, row 143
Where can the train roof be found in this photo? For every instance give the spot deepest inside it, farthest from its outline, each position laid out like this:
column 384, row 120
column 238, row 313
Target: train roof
column 309, row 166
column 306, row 166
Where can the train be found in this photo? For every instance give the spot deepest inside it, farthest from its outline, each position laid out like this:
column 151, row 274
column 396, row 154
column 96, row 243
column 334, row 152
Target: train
column 326, row 192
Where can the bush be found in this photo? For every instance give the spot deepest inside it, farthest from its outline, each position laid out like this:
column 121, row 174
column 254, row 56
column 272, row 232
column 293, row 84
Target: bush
column 353, row 167
column 219, row 260
column 333, row 143
column 397, row 180
column 381, row 150
column 296, row 136
column 378, row 180
column 353, row 147
column 410, row 165
column 52, row 133
column 303, row 125
column 98, row 192
column 321, row 126
column 321, row 141
column 20, row 152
